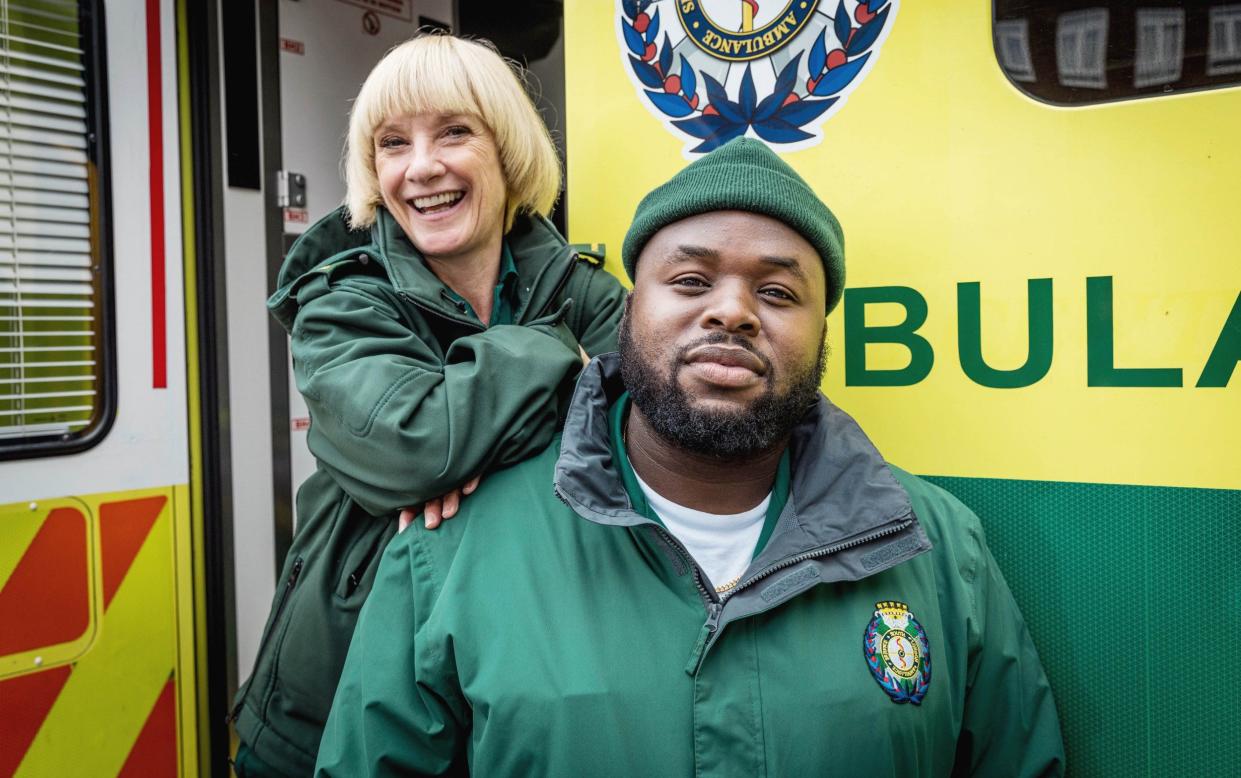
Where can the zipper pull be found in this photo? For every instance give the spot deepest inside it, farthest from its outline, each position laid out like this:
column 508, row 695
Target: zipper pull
column 704, row 637
column 294, row 573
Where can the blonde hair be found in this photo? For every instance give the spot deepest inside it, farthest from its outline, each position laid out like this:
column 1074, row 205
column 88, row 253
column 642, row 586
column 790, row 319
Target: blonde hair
column 436, row 73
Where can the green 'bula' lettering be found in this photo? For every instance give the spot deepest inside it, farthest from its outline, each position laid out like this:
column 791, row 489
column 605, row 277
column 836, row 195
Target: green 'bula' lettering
column 1101, row 369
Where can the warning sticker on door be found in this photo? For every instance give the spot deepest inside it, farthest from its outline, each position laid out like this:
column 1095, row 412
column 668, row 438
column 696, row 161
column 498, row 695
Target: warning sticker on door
column 398, row 9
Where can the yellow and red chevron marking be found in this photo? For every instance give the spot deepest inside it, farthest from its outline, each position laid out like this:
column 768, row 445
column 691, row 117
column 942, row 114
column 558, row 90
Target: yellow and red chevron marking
column 93, row 636
column 47, row 592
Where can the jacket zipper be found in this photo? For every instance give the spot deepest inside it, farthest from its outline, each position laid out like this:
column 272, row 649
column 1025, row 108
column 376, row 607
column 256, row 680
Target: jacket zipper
column 713, row 616
column 835, row 548
column 355, row 578
column 289, row 583
column 715, row 604
column 709, row 599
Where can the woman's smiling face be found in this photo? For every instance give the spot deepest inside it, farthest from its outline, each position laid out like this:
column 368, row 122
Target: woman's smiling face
column 440, row 178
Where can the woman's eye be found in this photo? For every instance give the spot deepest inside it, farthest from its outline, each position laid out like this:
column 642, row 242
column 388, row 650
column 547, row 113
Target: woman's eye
column 457, row 131
column 391, row 142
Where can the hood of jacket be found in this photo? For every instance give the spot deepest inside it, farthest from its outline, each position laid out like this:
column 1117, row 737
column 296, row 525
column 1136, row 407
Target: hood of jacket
column 330, row 248
column 840, row 484
column 847, row 516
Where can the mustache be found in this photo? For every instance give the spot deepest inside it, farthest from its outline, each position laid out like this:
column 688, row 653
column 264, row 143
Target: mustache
column 723, row 338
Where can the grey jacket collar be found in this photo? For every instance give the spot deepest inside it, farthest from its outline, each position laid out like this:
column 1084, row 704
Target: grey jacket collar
column 841, row 489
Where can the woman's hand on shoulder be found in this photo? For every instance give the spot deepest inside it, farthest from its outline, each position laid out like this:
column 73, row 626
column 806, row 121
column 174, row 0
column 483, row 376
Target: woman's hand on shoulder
column 443, row 507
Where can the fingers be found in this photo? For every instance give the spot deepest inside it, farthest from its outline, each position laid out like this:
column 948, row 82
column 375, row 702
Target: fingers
column 445, row 507
column 407, row 518
column 582, row 352
column 452, row 501
column 433, row 512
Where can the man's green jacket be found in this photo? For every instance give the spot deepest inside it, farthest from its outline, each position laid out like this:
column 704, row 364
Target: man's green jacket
column 409, row 396
column 559, row 632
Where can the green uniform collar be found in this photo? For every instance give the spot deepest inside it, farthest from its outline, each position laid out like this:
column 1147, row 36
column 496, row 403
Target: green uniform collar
column 616, row 425
column 507, row 298
column 330, row 246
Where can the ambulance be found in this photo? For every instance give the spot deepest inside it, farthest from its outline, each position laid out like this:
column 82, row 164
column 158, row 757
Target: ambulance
column 1040, row 202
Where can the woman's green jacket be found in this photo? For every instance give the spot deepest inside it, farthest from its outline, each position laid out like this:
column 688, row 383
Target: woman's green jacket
column 409, row 397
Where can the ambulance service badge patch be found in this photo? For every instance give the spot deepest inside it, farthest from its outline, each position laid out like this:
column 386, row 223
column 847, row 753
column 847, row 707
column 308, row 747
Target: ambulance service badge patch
column 713, row 70
column 898, row 652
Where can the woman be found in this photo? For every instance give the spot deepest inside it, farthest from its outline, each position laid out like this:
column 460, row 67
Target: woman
column 438, row 322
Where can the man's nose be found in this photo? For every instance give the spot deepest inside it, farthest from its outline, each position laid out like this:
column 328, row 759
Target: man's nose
column 732, row 307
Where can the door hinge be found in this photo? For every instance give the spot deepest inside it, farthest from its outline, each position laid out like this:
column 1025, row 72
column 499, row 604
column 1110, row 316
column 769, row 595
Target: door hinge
column 290, row 189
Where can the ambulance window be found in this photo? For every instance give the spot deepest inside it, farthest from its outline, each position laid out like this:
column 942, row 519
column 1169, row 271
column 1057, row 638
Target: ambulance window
column 1012, row 44
column 1079, row 52
column 1081, row 48
column 56, row 371
column 1224, row 41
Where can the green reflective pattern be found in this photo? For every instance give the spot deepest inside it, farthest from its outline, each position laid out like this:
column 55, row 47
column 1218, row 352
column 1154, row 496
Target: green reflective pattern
column 1133, row 596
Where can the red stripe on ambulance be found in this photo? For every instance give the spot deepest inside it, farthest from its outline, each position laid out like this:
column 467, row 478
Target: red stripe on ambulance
column 155, row 751
column 48, row 593
column 124, row 527
column 155, row 141
column 24, row 704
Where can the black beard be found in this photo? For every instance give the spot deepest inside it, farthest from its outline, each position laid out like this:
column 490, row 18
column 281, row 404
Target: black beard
column 726, row 435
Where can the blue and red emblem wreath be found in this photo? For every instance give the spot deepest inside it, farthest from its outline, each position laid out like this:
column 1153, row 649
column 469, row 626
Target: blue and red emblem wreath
column 807, row 60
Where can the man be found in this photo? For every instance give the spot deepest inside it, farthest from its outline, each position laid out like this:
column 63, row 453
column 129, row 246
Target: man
column 731, row 582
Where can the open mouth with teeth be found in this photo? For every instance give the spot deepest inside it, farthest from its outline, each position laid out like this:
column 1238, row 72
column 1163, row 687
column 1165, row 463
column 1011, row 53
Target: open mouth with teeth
column 436, row 203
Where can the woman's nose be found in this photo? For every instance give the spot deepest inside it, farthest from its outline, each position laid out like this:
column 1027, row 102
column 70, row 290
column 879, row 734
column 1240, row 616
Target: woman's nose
column 424, row 163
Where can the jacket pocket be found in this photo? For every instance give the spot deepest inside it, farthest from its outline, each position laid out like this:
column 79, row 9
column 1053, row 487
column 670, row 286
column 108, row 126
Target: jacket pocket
column 273, row 624
column 321, row 617
column 358, row 569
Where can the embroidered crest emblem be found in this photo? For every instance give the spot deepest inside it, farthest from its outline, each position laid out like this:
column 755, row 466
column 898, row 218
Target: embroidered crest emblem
column 898, row 652
column 713, row 70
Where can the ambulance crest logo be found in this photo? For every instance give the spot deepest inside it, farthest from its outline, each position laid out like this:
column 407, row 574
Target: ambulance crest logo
column 714, row 70
column 898, row 652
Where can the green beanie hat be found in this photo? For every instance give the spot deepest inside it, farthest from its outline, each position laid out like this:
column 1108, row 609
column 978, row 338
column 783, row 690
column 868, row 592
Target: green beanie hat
column 742, row 175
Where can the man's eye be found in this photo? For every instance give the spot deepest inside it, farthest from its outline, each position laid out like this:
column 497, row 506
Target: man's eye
column 775, row 293
column 689, row 282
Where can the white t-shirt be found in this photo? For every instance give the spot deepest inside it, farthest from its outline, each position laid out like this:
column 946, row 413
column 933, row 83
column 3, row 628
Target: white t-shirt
column 721, row 544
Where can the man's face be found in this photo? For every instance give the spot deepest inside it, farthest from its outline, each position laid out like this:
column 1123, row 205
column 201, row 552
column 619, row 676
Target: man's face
column 722, row 341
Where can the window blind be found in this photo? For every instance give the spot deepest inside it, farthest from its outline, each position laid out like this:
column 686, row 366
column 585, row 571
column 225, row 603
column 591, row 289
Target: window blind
column 50, row 306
